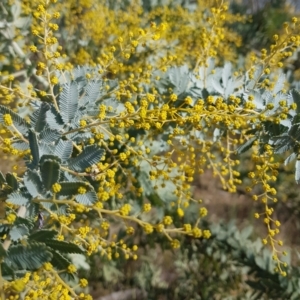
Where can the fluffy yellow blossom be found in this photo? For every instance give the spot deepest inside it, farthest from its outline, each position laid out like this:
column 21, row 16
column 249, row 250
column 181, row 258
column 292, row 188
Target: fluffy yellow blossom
column 7, row 120
column 81, row 190
column 56, row 187
column 72, row 269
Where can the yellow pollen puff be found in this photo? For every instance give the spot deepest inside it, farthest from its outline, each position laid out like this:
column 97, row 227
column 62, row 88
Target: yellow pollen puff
column 175, row 244
column 206, row 234
column 82, row 123
column 105, row 225
column 173, row 97
column 54, row 80
column 81, row 190
column 167, row 220
column 83, row 282
column 72, row 269
column 125, row 209
column 148, row 228
column 7, row 120
column 11, row 218
column 146, row 207
column 187, row 227
column 203, row 212
column 197, row 232
column 56, row 187
column 33, row 49
column 180, row 212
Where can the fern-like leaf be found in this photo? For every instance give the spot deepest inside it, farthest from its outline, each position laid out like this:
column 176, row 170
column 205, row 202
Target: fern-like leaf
column 54, row 119
column 38, row 118
column 68, row 101
column 49, row 135
column 33, row 183
column 92, row 91
column 34, row 148
column 18, row 121
column 179, row 78
column 18, row 198
column 89, row 156
column 43, row 235
column 64, row 149
column 88, row 198
column 17, row 232
column 63, row 247
column 71, row 188
column 29, row 257
column 50, row 170
column 59, row 261
column 246, row 146
column 12, row 181
column 20, row 145
column 50, row 157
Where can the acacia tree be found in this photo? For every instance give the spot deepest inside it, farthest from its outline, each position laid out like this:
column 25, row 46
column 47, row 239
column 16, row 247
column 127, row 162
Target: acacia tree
column 122, row 138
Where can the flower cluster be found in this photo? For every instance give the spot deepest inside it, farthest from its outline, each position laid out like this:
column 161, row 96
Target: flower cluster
column 155, row 140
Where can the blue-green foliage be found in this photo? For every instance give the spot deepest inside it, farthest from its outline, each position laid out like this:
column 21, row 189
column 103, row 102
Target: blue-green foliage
column 53, row 136
column 51, row 159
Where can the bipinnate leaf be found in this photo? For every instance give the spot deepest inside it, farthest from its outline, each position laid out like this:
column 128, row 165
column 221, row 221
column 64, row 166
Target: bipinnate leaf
column 290, row 158
column 7, row 271
column 4, row 229
column 38, row 118
column 32, row 210
column 92, row 91
column 49, row 135
column 17, row 232
column 279, row 84
column 63, row 247
column 89, row 156
column 46, row 157
column 18, row 121
column 179, row 78
column 20, row 145
column 12, row 181
column 296, row 98
column 29, row 257
column 59, row 261
column 68, row 101
column 43, row 235
column 50, row 171
column 88, row 198
column 34, row 148
column 17, row 198
column 246, row 146
column 54, row 119
column 71, row 188
column 33, row 183
column 64, row 149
